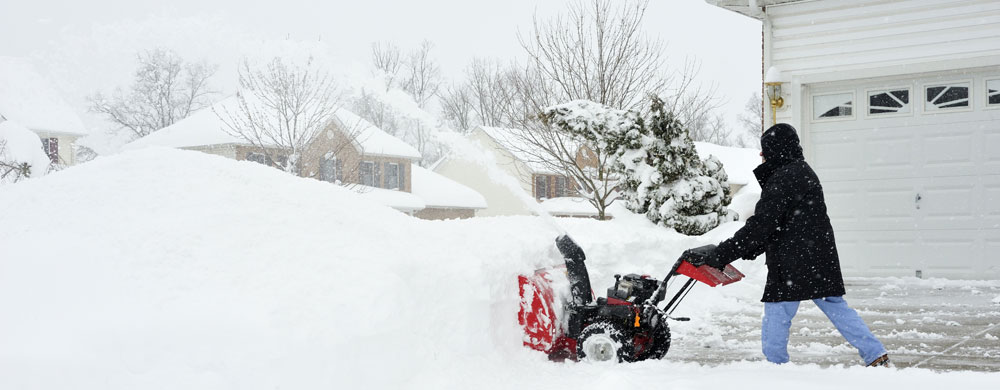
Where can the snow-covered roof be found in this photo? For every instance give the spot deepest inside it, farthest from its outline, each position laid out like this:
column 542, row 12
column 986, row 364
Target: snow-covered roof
column 29, row 99
column 206, row 128
column 438, row 191
column 372, row 140
column 572, row 207
column 522, row 150
column 738, row 162
column 746, row 7
column 399, row 200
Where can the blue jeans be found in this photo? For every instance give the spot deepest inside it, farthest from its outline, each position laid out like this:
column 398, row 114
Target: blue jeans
column 778, row 319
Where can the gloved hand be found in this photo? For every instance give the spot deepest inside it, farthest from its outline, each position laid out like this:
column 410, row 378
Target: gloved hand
column 703, row 255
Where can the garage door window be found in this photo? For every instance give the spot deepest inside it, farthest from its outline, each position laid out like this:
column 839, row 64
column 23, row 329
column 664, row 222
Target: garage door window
column 889, row 101
column 833, row 106
column 993, row 93
column 947, row 97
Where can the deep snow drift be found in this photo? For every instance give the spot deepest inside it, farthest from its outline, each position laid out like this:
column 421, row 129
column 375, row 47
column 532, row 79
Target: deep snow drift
column 174, row 269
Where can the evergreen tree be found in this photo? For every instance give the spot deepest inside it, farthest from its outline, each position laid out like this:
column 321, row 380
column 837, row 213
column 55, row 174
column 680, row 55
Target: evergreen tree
column 665, row 180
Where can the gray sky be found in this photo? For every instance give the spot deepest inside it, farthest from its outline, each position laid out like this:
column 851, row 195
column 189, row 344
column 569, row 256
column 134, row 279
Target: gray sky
column 90, row 45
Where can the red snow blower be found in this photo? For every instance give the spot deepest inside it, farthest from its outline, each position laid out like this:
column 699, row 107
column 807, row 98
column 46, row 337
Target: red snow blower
column 626, row 326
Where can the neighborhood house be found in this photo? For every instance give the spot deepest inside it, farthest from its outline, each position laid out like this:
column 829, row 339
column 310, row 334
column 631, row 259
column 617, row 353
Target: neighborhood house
column 349, row 151
column 898, row 107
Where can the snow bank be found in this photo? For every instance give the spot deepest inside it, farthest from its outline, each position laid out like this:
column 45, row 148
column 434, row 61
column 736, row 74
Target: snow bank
column 738, row 162
column 176, row 269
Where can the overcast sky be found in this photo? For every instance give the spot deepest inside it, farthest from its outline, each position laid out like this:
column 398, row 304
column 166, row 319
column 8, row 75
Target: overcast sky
column 88, row 45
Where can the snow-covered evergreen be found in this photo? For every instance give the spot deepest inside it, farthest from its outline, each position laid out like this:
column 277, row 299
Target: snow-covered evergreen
column 665, row 180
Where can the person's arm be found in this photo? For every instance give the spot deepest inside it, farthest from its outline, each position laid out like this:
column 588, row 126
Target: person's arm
column 769, row 213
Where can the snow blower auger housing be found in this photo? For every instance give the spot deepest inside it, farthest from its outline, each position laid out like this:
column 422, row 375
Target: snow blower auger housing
column 627, row 325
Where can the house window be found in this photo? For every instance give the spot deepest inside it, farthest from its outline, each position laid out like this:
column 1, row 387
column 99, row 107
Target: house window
column 561, row 186
column 839, row 105
column 892, row 101
column 259, row 158
column 392, row 176
column 993, row 92
column 367, row 170
column 328, row 169
column 946, row 96
column 541, row 187
column 51, row 148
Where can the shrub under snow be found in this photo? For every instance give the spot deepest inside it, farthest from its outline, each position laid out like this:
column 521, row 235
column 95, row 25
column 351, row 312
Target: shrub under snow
column 21, row 153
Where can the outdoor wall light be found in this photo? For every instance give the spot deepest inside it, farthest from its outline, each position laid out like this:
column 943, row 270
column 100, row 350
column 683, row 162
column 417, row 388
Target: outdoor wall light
column 772, row 83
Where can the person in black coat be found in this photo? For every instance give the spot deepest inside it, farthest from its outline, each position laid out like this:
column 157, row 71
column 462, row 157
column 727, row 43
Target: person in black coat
column 791, row 226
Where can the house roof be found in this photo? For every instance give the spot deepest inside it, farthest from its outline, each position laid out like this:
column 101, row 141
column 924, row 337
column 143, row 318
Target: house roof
column 513, row 142
column 751, row 8
column 206, row 128
column 438, row 191
column 28, row 98
column 399, row 200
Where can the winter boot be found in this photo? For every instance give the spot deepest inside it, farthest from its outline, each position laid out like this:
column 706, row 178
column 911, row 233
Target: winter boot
column 882, row 361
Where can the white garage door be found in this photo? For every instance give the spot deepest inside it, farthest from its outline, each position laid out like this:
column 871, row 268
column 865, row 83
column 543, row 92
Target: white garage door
column 911, row 172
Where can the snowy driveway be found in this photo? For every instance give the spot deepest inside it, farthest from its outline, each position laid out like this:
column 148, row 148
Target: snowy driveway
column 936, row 324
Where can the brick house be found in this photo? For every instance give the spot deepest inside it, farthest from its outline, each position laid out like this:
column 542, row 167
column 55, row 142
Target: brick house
column 350, row 151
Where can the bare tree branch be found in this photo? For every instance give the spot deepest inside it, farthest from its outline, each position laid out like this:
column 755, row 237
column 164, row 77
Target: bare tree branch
column 165, row 89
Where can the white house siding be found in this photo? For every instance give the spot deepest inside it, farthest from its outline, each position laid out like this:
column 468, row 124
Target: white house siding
column 874, row 167
column 823, row 41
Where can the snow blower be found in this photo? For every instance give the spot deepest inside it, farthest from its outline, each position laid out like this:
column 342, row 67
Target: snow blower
column 625, row 326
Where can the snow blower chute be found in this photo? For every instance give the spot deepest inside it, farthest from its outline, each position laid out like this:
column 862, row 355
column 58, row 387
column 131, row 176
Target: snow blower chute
column 627, row 325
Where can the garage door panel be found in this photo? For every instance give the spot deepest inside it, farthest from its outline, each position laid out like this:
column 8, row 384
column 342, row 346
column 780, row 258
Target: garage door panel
column 951, row 253
column 842, row 204
column 837, row 156
column 892, row 253
column 990, row 210
column 991, row 150
column 950, row 203
column 947, row 154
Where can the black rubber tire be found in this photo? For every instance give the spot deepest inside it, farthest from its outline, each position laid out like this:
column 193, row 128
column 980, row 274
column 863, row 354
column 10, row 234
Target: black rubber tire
column 610, row 343
column 659, row 345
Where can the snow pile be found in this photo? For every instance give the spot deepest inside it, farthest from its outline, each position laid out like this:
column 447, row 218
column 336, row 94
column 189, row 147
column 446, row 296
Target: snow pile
column 176, row 269
column 18, row 145
column 739, row 162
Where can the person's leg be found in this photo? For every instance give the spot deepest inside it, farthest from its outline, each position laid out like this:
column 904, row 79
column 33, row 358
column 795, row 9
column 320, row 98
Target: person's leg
column 852, row 327
column 774, row 330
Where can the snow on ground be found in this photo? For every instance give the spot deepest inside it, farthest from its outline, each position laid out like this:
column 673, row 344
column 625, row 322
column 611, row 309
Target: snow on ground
column 163, row 268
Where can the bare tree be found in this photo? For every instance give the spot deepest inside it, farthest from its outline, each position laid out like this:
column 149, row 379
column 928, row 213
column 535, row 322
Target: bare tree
column 282, row 107
column 595, row 51
column 752, row 120
column 165, row 89
column 457, row 107
column 423, row 75
column 387, row 59
column 598, row 52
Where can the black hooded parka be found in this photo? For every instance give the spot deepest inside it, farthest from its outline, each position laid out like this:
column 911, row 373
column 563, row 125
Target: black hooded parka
column 790, row 225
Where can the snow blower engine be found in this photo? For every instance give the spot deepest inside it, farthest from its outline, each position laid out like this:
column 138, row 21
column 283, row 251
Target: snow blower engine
column 626, row 326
